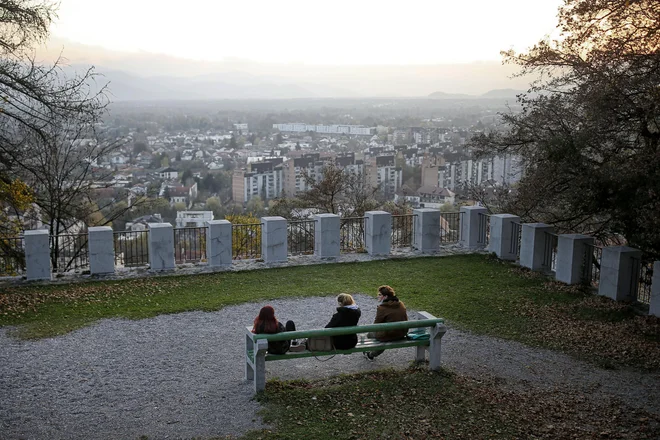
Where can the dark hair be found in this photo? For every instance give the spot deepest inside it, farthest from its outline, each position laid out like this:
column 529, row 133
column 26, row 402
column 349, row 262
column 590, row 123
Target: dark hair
column 265, row 322
column 386, row 291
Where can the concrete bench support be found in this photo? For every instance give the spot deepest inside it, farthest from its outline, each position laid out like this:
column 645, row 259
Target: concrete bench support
column 470, row 227
column 327, row 235
column 654, row 305
column 274, row 239
column 501, row 236
column 101, row 250
column 618, row 272
column 37, row 254
column 426, row 230
column 218, row 243
column 161, row 246
column 532, row 245
column 378, row 232
column 573, row 258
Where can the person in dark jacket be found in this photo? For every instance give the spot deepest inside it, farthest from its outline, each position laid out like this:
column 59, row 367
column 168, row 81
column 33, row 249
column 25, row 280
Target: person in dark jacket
column 347, row 315
column 389, row 309
column 266, row 322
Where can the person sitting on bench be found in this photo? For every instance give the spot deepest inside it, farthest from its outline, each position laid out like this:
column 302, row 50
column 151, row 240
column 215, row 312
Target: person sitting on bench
column 390, row 309
column 266, row 322
column 347, row 315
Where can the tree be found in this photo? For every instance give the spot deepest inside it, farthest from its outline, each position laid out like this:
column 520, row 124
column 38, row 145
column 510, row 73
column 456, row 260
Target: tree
column 589, row 129
column 232, row 142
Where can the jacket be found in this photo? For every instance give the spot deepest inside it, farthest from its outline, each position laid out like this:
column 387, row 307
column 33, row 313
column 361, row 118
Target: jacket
column 391, row 310
column 346, row 316
column 277, row 347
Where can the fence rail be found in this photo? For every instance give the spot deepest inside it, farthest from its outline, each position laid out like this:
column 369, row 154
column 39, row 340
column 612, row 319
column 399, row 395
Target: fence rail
column 189, row 245
column 402, row 230
column 550, row 251
column 246, row 241
column 300, row 237
column 450, row 227
column 516, row 238
column 131, row 248
column 591, row 262
column 352, row 233
column 484, row 229
column 642, row 288
column 69, row 252
column 12, row 256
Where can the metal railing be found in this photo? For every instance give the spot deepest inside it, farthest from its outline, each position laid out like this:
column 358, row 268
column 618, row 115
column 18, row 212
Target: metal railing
column 69, row 252
column 131, row 248
column 352, row 231
column 484, row 229
column 300, row 237
column 12, row 256
column 591, row 263
column 550, row 241
column 450, row 227
column 246, row 241
column 642, row 276
column 189, row 245
column 516, row 238
column 402, row 230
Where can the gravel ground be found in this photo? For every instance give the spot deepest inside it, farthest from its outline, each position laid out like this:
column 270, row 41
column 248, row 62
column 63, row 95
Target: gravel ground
column 181, row 376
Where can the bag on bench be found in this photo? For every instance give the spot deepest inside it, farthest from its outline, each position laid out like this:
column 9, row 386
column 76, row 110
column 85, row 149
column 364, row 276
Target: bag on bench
column 320, row 343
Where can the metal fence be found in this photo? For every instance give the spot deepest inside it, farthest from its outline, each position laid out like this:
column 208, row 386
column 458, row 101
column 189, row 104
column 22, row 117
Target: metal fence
column 516, row 238
column 246, row 241
column 189, row 245
column 550, row 251
column 69, row 252
column 131, row 248
column 12, row 256
column 641, row 287
column 402, row 230
column 450, row 227
column 300, row 237
column 484, row 229
column 591, row 262
column 352, row 231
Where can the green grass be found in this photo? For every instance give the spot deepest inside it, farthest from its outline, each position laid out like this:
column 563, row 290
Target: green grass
column 473, row 292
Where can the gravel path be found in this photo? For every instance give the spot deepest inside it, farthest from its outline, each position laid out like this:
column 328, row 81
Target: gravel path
column 181, row 376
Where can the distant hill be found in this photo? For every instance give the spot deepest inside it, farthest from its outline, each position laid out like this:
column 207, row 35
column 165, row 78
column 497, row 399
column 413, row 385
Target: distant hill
column 491, row 94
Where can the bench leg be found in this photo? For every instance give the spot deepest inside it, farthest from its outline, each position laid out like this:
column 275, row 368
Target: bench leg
column 260, row 365
column 435, row 346
column 420, row 355
column 249, row 370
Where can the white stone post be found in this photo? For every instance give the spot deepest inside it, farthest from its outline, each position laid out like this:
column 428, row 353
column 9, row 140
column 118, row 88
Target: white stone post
column 378, row 232
column 274, row 239
column 501, row 236
column 101, row 250
column 327, row 235
column 654, row 304
column 218, row 243
column 161, row 246
column 532, row 246
column 571, row 262
column 37, row 254
column 618, row 272
column 470, row 226
column 426, row 230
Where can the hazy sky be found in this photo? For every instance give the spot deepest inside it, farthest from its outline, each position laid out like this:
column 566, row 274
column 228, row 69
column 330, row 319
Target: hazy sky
column 336, row 32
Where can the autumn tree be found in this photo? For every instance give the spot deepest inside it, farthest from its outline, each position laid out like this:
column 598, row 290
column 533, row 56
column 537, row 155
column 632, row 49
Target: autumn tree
column 589, row 128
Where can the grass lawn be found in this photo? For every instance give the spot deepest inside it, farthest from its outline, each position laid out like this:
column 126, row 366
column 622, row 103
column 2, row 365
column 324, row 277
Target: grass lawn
column 473, row 292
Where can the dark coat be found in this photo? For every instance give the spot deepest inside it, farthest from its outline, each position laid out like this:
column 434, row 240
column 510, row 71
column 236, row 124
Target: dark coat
column 391, row 310
column 277, row 347
column 345, row 317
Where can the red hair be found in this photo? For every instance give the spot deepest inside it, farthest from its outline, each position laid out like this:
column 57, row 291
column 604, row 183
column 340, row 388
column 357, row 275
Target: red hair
column 265, row 322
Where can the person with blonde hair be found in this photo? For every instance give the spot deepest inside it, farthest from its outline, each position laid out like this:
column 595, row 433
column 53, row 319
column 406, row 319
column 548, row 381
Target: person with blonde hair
column 348, row 314
column 389, row 309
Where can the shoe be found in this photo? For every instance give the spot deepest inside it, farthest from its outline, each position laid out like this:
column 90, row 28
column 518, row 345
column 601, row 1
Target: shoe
column 368, row 355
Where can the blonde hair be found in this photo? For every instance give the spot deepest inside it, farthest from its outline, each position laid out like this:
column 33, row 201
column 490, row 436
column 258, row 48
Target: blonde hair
column 345, row 299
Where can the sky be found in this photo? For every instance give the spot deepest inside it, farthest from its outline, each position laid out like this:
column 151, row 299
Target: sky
column 314, row 32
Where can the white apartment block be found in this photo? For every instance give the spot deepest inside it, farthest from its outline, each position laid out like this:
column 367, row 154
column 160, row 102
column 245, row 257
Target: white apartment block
column 264, row 180
column 190, row 219
column 298, row 127
column 497, row 170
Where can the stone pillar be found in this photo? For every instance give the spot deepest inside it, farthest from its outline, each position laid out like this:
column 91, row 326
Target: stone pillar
column 274, row 239
column 161, row 246
column 326, row 235
column 426, row 230
column 654, row 304
column 378, row 232
column 101, row 250
column 532, row 245
column 470, row 226
column 618, row 272
column 218, row 243
column 571, row 262
column 37, row 254
column 501, row 236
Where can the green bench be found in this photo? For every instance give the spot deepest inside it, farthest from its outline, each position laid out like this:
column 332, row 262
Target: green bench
column 256, row 346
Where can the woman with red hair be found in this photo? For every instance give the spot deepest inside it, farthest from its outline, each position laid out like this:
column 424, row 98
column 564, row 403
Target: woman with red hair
column 266, row 322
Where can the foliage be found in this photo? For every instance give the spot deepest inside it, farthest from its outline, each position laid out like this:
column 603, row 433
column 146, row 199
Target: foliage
column 589, row 131
column 246, row 235
column 473, row 292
